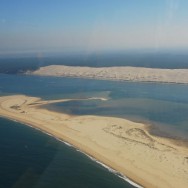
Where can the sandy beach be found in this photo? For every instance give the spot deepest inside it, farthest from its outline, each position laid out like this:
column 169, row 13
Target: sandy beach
column 135, row 74
column 123, row 145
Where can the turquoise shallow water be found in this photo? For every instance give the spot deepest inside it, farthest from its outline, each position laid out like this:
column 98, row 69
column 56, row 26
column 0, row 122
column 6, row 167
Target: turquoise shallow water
column 165, row 106
column 167, row 118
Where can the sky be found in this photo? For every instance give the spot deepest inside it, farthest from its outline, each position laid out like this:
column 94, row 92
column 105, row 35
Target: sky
column 92, row 25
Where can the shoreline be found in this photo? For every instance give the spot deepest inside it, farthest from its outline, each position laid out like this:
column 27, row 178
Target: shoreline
column 112, row 80
column 121, row 147
column 125, row 73
column 149, row 124
column 110, row 169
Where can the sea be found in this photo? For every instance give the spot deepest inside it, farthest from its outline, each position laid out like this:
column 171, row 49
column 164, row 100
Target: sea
column 32, row 159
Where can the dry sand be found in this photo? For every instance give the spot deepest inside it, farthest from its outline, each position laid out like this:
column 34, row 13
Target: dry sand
column 137, row 74
column 121, row 144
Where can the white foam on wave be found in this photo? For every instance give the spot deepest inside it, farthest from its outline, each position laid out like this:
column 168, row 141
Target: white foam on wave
column 120, row 175
column 66, row 143
column 35, row 128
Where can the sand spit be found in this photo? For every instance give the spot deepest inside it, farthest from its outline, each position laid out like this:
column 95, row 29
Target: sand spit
column 123, row 145
column 136, row 74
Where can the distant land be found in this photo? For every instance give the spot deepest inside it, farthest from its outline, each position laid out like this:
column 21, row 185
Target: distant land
column 163, row 60
column 124, row 73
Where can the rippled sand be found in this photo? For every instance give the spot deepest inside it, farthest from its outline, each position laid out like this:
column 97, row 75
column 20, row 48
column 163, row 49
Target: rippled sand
column 137, row 74
column 123, row 145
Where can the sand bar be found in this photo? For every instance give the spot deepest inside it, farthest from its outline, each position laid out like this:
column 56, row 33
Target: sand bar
column 123, row 145
column 136, row 74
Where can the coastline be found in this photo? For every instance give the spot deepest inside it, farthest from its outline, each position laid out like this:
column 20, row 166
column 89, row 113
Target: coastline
column 132, row 74
column 102, row 139
column 110, row 169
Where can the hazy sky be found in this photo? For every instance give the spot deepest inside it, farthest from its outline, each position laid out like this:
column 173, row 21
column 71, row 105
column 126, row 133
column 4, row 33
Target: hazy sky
column 92, row 25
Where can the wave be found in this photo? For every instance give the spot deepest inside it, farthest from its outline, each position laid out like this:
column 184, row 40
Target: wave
column 120, row 175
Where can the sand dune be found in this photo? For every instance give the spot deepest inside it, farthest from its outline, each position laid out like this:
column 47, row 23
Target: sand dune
column 137, row 74
column 121, row 144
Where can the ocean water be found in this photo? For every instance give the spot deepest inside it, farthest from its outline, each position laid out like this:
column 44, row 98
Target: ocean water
column 31, row 159
column 171, row 60
column 165, row 106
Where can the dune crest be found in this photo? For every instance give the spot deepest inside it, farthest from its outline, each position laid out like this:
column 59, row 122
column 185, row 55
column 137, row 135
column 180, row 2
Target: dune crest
column 136, row 74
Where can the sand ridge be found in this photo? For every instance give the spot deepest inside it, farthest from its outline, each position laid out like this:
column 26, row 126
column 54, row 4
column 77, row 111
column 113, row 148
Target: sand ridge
column 136, row 74
column 124, row 145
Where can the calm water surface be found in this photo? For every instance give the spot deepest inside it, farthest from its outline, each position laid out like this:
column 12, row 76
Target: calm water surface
column 31, row 159
column 165, row 106
column 27, row 154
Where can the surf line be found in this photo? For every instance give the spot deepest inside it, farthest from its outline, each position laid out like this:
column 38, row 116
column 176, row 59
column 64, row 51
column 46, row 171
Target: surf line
column 120, row 175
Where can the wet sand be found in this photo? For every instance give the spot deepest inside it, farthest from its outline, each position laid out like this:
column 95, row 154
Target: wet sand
column 121, row 144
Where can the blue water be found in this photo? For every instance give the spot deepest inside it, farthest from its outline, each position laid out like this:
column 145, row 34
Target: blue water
column 31, row 159
column 165, row 106
column 171, row 60
column 49, row 163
